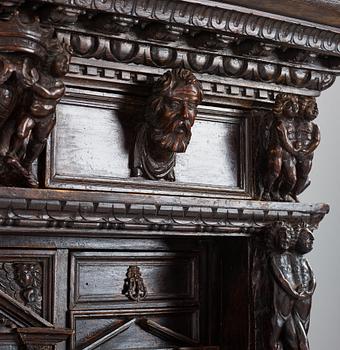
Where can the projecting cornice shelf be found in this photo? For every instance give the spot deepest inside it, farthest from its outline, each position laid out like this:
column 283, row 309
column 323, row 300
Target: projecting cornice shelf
column 99, row 213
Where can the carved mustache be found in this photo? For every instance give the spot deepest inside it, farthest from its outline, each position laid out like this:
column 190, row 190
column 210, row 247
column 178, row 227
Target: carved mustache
column 175, row 137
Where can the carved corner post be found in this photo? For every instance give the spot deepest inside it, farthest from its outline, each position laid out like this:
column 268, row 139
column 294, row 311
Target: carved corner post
column 283, row 286
column 286, row 140
column 32, row 63
column 170, row 114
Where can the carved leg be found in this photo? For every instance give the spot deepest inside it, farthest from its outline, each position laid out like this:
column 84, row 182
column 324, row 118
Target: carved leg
column 303, row 169
column 289, row 171
column 273, row 172
column 36, row 145
column 17, row 143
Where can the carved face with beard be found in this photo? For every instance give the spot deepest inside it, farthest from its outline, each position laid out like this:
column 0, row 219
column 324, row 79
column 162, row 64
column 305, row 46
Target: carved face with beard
column 175, row 111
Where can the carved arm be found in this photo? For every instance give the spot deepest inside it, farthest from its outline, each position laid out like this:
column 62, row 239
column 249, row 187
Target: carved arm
column 282, row 133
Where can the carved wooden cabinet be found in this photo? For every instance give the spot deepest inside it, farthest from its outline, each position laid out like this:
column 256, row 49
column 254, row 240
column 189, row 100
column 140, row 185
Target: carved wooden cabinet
column 151, row 158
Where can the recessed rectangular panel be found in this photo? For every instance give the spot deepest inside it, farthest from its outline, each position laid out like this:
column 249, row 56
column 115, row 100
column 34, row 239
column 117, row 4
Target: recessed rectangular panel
column 92, row 148
column 213, row 155
column 90, row 143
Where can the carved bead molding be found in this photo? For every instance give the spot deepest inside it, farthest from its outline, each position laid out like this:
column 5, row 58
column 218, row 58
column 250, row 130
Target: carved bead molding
column 31, row 67
column 134, row 287
column 170, row 114
column 23, row 282
column 286, row 140
column 286, row 279
column 219, row 17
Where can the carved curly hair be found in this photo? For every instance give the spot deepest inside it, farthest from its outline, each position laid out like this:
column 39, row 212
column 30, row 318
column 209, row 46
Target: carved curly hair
column 165, row 84
column 281, row 100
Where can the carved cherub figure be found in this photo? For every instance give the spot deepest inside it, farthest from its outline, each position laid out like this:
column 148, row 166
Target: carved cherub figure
column 170, row 115
column 307, row 140
column 36, row 123
column 285, row 288
column 280, row 174
column 294, row 285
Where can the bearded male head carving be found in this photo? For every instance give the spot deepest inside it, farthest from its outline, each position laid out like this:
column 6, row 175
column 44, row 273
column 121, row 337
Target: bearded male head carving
column 170, row 115
column 173, row 108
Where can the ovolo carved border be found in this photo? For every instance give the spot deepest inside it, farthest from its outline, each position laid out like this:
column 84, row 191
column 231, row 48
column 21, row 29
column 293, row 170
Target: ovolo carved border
column 161, row 56
column 228, row 20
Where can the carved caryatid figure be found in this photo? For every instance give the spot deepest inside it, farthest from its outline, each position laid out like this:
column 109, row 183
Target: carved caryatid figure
column 285, row 291
column 30, row 89
column 307, row 140
column 294, row 285
column 280, row 176
column 170, row 115
column 288, row 138
column 305, row 279
column 39, row 119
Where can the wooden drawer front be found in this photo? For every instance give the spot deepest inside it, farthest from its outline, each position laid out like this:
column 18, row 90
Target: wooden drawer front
column 91, row 327
column 97, row 279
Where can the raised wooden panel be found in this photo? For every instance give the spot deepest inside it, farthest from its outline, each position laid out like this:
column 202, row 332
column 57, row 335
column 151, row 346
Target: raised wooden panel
column 28, row 276
column 91, row 325
column 98, row 279
column 100, row 139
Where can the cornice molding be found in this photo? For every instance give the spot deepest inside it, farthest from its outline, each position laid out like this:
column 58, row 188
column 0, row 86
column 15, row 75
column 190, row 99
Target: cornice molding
column 86, row 213
column 229, row 19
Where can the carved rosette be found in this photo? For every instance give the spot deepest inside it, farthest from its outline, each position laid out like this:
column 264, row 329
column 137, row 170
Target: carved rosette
column 286, row 139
